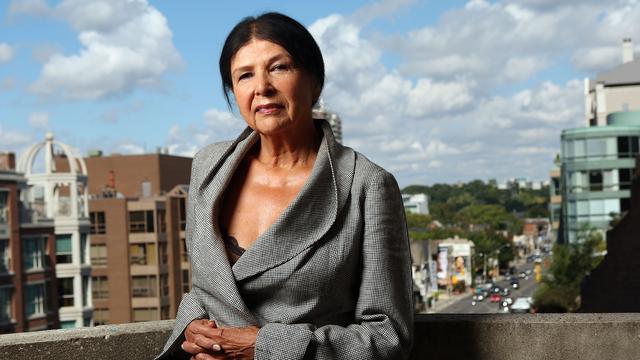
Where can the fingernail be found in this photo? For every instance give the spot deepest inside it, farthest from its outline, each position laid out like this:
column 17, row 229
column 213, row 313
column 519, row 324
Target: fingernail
column 216, row 347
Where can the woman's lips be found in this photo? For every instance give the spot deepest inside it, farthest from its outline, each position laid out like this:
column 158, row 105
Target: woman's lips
column 268, row 109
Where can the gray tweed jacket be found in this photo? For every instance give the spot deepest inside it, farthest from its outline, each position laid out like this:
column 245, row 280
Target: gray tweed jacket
column 330, row 279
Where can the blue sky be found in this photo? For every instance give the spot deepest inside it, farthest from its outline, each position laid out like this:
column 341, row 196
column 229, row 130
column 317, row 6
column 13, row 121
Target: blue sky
column 434, row 91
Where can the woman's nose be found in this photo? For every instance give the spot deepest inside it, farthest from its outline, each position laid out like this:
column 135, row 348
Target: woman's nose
column 264, row 86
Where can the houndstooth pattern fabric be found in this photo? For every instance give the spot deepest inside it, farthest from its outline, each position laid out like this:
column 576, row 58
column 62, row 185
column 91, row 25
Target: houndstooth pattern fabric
column 330, row 279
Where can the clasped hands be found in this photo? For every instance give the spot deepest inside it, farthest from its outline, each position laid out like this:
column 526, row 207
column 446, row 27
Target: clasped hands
column 206, row 341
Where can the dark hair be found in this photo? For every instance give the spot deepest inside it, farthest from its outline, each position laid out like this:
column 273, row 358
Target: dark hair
column 278, row 29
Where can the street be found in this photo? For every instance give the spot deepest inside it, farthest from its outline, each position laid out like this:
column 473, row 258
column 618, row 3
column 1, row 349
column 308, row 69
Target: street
column 464, row 306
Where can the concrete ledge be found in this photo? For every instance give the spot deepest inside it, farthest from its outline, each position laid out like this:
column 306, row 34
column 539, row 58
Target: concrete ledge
column 438, row 336
column 532, row 337
column 122, row 342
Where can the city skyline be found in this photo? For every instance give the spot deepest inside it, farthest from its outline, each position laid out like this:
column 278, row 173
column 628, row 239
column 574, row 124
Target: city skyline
column 433, row 92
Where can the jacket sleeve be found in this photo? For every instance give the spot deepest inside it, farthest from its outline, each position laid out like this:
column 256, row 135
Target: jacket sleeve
column 383, row 318
column 191, row 306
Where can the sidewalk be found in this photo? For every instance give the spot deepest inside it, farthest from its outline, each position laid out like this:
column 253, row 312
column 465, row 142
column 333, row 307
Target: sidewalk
column 445, row 300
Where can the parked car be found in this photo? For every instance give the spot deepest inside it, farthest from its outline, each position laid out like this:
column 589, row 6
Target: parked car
column 522, row 305
column 495, row 298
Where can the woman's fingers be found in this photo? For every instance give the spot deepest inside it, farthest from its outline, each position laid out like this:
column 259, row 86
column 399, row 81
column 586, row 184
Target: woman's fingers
column 192, row 348
column 203, row 356
column 207, row 342
column 198, row 326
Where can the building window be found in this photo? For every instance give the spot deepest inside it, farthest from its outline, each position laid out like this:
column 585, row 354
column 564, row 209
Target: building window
column 100, row 316
column 6, row 313
column 64, row 255
column 5, row 262
column 186, row 287
column 143, row 254
column 35, row 299
column 4, row 208
column 556, row 186
column 624, row 176
column 144, row 286
column 70, row 324
column 595, row 180
column 183, row 213
column 145, row 314
column 98, row 254
column 65, row 292
column 100, row 287
column 627, row 146
column 34, row 254
column 141, row 221
column 625, row 203
column 98, row 225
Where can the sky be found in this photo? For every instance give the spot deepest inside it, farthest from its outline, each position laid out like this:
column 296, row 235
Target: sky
column 434, row 91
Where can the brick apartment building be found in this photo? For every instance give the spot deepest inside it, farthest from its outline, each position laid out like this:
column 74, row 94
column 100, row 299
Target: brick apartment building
column 137, row 209
column 28, row 285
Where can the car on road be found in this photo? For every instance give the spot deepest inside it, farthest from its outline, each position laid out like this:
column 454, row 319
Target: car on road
column 528, row 272
column 515, row 284
column 522, row 305
column 480, row 295
column 495, row 298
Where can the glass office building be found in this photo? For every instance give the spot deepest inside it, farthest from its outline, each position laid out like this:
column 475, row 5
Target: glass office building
column 597, row 166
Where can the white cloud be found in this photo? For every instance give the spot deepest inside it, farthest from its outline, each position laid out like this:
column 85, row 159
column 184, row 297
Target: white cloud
column 39, row 120
column 125, row 45
column 128, row 148
column 216, row 125
column 504, row 42
column 448, row 110
column 29, row 7
column 6, row 53
column 429, row 97
column 14, row 140
column 43, row 52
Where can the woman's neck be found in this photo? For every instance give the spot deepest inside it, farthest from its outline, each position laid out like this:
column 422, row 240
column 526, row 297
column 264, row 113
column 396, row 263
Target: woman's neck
column 289, row 150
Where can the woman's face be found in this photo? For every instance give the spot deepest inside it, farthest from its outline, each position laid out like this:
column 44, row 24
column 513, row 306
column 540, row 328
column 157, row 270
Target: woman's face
column 273, row 94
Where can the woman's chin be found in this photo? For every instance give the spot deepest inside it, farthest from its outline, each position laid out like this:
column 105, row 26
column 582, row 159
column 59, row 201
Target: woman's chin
column 271, row 125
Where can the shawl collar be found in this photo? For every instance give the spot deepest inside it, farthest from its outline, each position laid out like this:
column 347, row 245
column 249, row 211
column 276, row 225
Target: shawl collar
column 307, row 218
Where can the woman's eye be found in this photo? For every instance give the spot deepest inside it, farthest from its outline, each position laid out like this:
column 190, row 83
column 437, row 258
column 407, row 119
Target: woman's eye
column 280, row 67
column 244, row 76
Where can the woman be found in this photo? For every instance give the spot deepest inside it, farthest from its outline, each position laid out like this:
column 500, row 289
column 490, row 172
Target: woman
column 298, row 244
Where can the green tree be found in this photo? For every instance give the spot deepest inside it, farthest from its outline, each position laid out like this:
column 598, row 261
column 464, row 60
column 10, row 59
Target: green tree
column 560, row 288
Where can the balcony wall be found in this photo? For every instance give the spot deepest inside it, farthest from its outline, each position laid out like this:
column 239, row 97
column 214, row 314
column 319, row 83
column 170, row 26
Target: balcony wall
column 455, row 336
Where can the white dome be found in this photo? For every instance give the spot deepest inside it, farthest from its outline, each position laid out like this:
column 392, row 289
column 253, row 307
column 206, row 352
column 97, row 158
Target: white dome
column 26, row 162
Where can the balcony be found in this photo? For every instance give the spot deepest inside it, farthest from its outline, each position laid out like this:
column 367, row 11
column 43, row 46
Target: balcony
column 453, row 336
